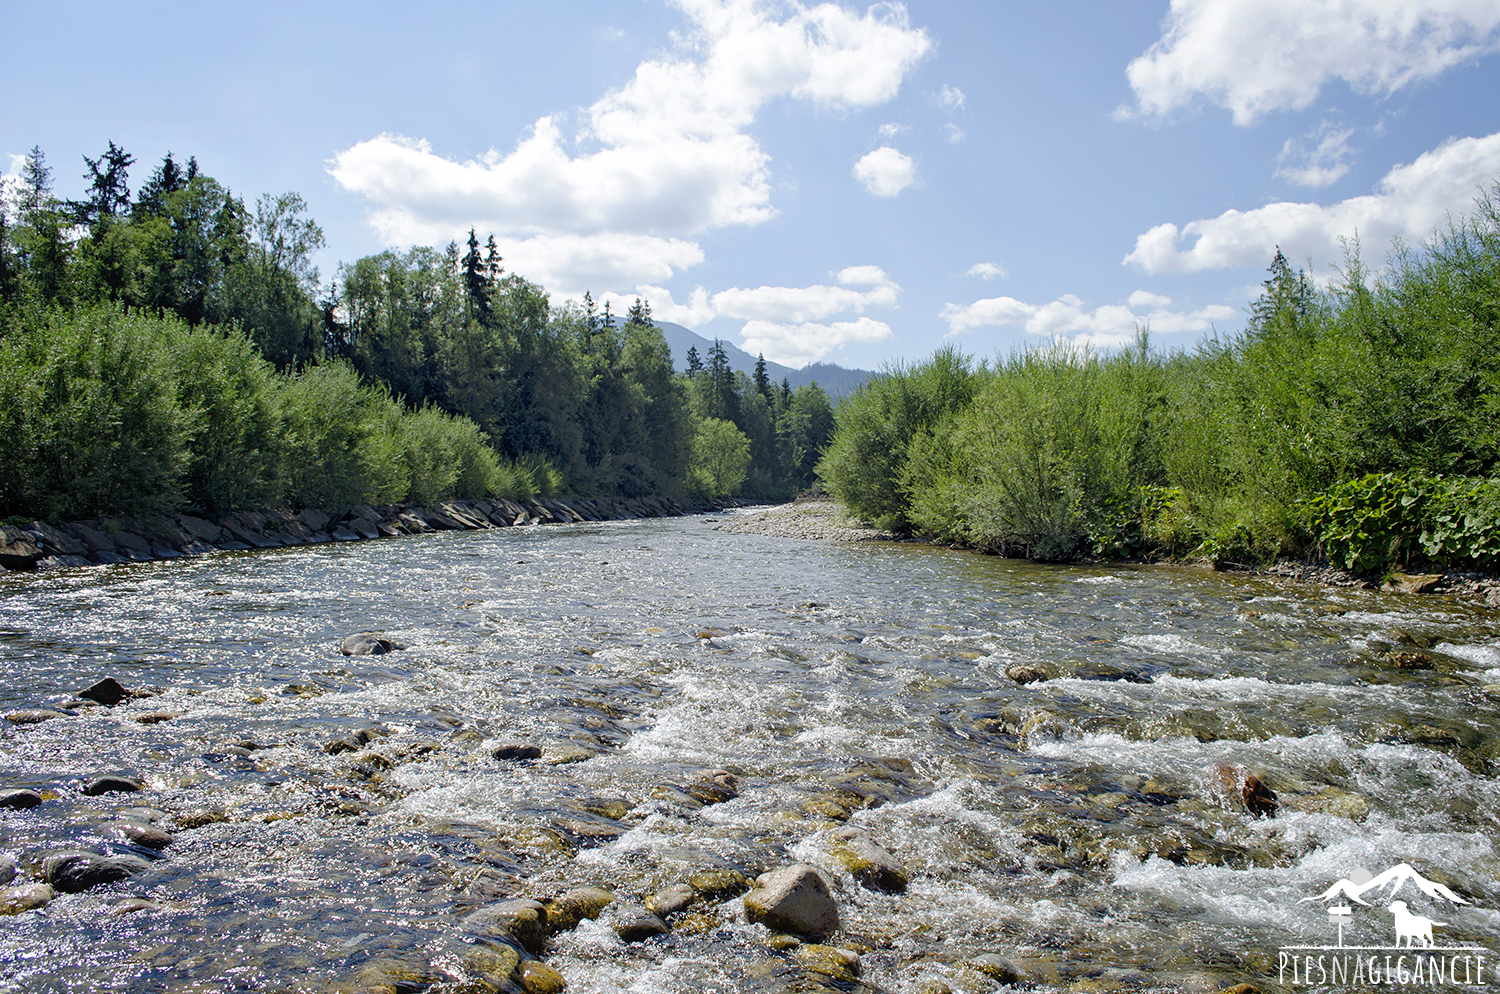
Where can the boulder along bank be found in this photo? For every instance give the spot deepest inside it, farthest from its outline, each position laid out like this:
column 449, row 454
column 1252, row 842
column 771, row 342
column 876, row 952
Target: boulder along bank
column 38, row 545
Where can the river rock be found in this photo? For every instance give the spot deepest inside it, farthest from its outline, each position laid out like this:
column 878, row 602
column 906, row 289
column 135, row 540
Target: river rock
column 719, row 884
column 829, row 961
column 18, row 550
column 1409, row 583
column 493, row 964
column 793, row 899
column 520, row 919
column 56, row 543
column 996, row 967
column 201, row 817
column 870, row 864
column 108, row 692
column 713, row 787
column 1026, row 673
column 634, row 923
column 19, row 800
column 565, row 912
column 369, row 644
column 156, row 717
column 24, row 897
column 516, row 751
column 672, row 900
column 539, row 978
column 75, row 872
column 32, row 717
column 137, row 833
column 1235, row 782
column 111, row 785
column 7, row 869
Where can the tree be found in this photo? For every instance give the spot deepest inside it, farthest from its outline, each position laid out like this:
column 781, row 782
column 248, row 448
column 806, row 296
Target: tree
column 108, row 195
column 762, row 381
column 694, row 361
column 721, row 455
column 476, row 280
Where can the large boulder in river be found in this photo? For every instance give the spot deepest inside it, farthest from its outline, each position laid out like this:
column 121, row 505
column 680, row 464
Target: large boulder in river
column 369, row 644
column 793, row 899
column 108, row 692
column 1237, row 784
column 75, row 872
column 18, row 550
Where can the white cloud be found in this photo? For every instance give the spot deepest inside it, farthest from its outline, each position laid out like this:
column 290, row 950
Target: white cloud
column 891, row 130
column 665, row 157
column 1144, row 298
column 1108, row 325
column 1320, row 164
column 1412, row 201
column 786, row 323
column 799, row 344
column 951, row 97
column 987, row 270
column 1257, row 56
column 885, row 172
column 954, row 133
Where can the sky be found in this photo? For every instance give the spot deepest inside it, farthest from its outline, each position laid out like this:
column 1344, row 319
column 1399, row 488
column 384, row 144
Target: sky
column 837, row 182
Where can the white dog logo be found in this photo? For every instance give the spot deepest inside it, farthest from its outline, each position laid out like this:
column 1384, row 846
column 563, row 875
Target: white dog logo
column 1412, row 927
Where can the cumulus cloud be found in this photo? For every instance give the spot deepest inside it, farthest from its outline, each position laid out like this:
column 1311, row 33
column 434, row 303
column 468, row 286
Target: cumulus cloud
column 885, row 172
column 987, row 270
column 664, row 158
column 1317, row 159
column 1107, row 325
column 1411, row 201
column 951, row 97
column 799, row 344
column 1253, row 57
column 789, row 324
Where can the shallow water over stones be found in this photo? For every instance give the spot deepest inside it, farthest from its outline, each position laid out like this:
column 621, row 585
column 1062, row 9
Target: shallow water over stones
column 708, row 707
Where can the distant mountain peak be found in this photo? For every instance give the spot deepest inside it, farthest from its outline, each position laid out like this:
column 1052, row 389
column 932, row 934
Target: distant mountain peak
column 833, row 378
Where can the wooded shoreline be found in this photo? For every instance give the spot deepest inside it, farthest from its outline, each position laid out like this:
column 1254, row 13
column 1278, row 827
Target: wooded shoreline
column 38, row 545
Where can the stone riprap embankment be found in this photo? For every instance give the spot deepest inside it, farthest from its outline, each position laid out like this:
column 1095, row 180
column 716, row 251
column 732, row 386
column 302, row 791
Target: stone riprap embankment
column 37, row 544
column 812, row 519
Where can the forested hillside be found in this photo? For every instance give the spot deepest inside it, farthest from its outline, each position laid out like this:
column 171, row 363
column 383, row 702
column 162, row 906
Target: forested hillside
column 176, row 348
column 1361, row 422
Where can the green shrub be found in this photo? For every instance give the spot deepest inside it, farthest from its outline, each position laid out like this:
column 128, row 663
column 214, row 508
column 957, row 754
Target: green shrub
column 1383, row 520
column 342, row 443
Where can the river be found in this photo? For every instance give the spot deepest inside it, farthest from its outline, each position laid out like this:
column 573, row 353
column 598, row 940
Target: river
column 1081, row 825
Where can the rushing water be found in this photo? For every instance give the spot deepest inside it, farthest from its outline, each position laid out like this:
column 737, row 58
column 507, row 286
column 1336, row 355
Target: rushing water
column 1076, row 825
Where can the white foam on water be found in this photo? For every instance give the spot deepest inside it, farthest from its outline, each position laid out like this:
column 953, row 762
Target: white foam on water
column 1098, row 579
column 1487, row 654
column 1168, row 643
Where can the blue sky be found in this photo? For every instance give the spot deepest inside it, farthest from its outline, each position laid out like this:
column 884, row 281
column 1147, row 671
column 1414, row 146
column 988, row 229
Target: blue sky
column 833, row 181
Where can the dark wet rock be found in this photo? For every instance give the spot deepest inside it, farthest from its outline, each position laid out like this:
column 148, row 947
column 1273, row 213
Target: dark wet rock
column 719, row 884
column 793, row 899
column 314, row 519
column 870, row 864
column 369, row 644
column 537, row 977
column 1237, row 784
column 1404, row 660
column 996, row 967
column 7, row 869
column 613, row 808
column 713, row 787
column 33, row 717
column 108, row 692
column 18, row 550
column 516, row 751
column 20, row 799
column 671, row 900
column 395, row 974
column 200, row 818
column 827, row 806
column 25, row 897
column 635, row 924
column 136, row 833
column 55, row 542
column 111, row 785
column 493, row 964
column 520, row 919
column 490, row 885
column 344, row 743
column 75, row 872
column 565, row 912
column 151, row 816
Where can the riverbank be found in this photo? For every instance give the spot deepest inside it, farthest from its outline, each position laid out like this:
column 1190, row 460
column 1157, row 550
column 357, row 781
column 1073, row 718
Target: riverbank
column 825, row 519
column 38, row 545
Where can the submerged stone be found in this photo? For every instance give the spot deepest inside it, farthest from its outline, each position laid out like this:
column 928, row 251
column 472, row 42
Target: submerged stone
column 369, row 644
column 19, row 800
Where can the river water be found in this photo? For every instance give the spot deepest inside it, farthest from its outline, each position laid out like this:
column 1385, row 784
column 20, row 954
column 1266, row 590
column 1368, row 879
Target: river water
column 1080, row 825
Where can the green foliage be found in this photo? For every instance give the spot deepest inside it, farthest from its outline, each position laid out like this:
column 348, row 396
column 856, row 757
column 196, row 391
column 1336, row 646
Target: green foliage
column 1383, row 520
column 721, row 455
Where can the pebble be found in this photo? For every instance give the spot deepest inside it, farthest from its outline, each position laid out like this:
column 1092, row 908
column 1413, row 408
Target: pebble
column 830, row 961
column 516, row 751
column 671, row 900
column 157, row 717
column 718, row 885
column 872, row 865
column 201, row 817
column 111, row 785
column 522, row 920
column 32, row 717
column 7, row 869
column 565, row 912
column 19, row 800
column 996, row 967
column 137, row 833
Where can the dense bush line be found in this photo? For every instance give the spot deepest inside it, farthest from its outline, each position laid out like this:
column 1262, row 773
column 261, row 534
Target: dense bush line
column 1361, row 421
